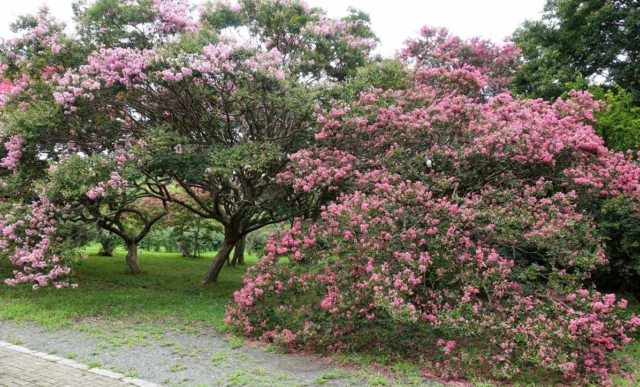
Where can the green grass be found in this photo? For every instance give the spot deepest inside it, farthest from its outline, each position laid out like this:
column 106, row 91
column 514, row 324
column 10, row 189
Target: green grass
column 220, row 356
column 177, row 367
column 332, row 375
column 165, row 294
column 236, row 342
column 93, row 364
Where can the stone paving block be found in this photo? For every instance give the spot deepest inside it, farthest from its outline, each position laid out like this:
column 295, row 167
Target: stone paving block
column 74, row 364
column 19, row 348
column 140, row 382
column 20, row 366
column 46, row 356
column 107, row 373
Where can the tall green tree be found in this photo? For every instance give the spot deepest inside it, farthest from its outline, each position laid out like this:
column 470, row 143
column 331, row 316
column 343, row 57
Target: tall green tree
column 595, row 38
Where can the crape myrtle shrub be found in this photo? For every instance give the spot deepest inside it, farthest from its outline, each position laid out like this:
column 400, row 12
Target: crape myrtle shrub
column 462, row 233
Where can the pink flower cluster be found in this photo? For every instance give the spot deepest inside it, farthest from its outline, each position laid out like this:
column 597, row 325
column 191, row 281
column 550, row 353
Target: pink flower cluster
column 328, row 28
column 116, row 184
column 173, row 16
column 325, row 168
column 129, row 67
column 31, row 241
column 47, row 34
column 14, row 152
column 437, row 48
column 9, row 88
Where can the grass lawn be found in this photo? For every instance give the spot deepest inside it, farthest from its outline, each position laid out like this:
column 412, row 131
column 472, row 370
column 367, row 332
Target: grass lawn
column 166, row 293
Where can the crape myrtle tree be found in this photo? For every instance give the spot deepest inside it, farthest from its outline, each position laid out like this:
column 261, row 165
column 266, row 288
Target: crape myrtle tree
column 96, row 190
column 34, row 236
column 218, row 110
column 463, row 232
column 61, row 167
column 212, row 108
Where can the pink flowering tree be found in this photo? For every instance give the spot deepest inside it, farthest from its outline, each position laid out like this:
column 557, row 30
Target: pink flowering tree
column 97, row 190
column 216, row 112
column 208, row 103
column 462, row 233
column 436, row 48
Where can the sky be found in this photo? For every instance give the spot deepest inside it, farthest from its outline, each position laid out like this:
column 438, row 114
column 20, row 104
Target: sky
column 392, row 20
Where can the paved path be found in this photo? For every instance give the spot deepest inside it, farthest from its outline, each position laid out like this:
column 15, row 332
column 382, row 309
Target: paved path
column 20, row 366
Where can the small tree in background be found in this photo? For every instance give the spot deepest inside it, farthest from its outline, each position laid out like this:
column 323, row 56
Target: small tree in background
column 122, row 209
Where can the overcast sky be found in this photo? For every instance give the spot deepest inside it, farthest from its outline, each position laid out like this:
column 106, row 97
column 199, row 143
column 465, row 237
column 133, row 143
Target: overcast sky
column 393, row 20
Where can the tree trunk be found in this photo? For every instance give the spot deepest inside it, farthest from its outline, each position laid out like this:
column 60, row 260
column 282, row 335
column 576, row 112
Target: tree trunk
column 132, row 257
column 183, row 250
column 230, row 239
column 196, row 248
column 238, row 253
column 107, row 246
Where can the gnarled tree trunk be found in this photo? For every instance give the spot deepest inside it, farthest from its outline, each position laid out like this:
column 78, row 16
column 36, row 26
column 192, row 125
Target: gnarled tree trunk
column 106, row 241
column 132, row 257
column 107, row 247
column 230, row 240
column 238, row 253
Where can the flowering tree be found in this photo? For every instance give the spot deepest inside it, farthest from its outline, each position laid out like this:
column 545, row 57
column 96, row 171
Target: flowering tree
column 211, row 107
column 95, row 191
column 463, row 230
column 221, row 117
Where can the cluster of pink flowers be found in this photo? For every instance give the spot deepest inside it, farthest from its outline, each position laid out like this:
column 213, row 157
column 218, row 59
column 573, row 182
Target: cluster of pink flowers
column 437, row 48
column 130, row 67
column 8, row 88
column 45, row 35
column 324, row 168
column 298, row 44
column 105, row 68
column 5, row 89
column 173, row 16
column 326, row 27
column 14, row 152
column 32, row 241
column 116, row 184
column 460, row 235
